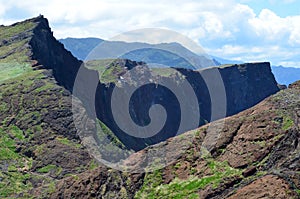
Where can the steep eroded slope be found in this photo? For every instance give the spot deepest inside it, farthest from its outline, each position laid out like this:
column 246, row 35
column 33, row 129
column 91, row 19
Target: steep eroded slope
column 41, row 151
column 254, row 155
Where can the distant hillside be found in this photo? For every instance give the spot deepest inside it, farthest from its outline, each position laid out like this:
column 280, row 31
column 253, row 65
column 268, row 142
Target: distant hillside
column 157, row 55
column 80, row 47
column 286, row 75
column 226, row 61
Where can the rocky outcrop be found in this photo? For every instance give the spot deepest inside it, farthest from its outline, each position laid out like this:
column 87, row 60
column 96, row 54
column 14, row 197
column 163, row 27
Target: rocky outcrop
column 254, row 155
column 268, row 186
column 244, row 86
column 51, row 54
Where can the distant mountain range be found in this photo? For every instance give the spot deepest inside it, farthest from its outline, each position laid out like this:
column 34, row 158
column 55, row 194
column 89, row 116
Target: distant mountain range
column 286, row 75
column 163, row 55
column 155, row 55
column 80, row 47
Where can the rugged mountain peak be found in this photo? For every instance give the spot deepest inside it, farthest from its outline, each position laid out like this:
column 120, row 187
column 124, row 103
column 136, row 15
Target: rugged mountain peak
column 51, row 54
column 22, row 31
column 32, row 41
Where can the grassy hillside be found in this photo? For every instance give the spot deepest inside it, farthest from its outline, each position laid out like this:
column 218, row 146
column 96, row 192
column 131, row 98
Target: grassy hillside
column 35, row 113
column 255, row 154
column 14, row 50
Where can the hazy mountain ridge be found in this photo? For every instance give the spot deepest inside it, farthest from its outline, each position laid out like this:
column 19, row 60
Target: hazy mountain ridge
column 286, row 75
column 164, row 54
column 81, row 47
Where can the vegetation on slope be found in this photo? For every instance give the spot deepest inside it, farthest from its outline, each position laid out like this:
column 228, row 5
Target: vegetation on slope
column 35, row 118
column 30, row 104
column 110, row 70
column 41, row 154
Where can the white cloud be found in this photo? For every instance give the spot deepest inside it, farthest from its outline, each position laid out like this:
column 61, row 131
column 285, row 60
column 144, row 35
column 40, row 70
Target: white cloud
column 270, row 26
column 277, row 55
column 224, row 27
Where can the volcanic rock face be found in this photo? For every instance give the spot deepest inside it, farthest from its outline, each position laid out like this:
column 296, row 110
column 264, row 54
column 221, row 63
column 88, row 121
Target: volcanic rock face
column 42, row 154
column 255, row 155
column 51, row 54
column 244, row 86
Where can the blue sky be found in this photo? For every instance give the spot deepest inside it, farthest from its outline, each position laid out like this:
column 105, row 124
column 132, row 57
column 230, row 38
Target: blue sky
column 246, row 30
column 282, row 8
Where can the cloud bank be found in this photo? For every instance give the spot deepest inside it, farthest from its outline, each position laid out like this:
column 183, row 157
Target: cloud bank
column 228, row 28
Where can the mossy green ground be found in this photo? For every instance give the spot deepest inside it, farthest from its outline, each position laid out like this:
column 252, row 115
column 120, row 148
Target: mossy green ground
column 15, row 166
column 13, row 178
column 153, row 186
column 24, row 103
column 7, row 32
column 108, row 70
column 15, row 52
column 18, row 108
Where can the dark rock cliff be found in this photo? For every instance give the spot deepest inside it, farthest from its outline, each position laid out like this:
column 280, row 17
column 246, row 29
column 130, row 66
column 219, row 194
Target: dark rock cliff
column 244, row 85
column 51, row 54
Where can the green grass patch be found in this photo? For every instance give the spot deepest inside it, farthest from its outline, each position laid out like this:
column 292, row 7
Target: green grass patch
column 47, row 169
column 110, row 74
column 287, row 123
column 151, row 182
column 13, row 183
column 12, row 70
column 17, row 133
column 71, row 175
column 99, row 65
column 22, row 82
column 165, row 72
column 109, row 144
column 8, row 31
column 154, row 188
column 93, row 165
column 51, row 187
column 105, row 132
column 68, row 142
column 109, row 71
column 39, row 149
column 7, row 147
column 45, row 87
column 106, row 68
